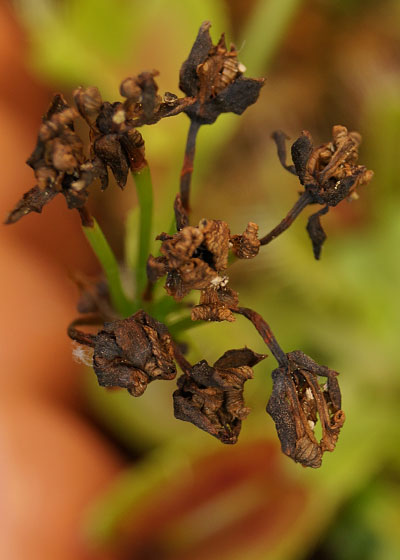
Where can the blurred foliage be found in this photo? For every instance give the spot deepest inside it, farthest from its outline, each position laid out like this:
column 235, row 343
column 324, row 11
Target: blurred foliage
column 343, row 310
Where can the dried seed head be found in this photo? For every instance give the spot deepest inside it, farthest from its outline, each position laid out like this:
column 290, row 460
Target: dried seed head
column 296, row 404
column 212, row 75
column 211, row 398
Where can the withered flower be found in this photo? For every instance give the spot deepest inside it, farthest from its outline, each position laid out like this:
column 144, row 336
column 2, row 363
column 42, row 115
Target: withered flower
column 212, row 75
column 130, row 353
column 329, row 173
column 296, row 404
column 59, row 164
column 211, row 398
column 193, row 258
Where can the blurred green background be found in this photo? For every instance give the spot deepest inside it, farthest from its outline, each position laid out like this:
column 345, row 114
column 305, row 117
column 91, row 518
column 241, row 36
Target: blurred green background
column 326, row 62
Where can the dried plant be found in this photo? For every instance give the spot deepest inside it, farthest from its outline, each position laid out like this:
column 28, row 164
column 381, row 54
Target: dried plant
column 135, row 342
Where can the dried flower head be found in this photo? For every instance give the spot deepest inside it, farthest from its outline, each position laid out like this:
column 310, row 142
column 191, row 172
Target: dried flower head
column 115, row 142
column 211, row 398
column 212, row 75
column 59, row 164
column 193, row 258
column 296, row 404
column 329, row 173
column 130, row 353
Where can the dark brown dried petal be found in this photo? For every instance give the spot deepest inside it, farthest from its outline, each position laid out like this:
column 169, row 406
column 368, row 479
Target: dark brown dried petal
column 133, row 145
column 109, row 150
column 188, row 78
column 247, row 245
column 216, row 241
column 133, row 352
column 156, row 268
column 32, row 201
column 316, row 231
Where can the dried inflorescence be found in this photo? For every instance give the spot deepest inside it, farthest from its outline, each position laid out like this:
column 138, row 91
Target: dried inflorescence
column 298, row 402
column 130, row 353
column 211, row 398
column 329, row 174
column 213, row 75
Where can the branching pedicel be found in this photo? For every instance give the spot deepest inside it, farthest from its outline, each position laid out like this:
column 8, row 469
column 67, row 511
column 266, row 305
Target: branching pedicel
column 137, row 342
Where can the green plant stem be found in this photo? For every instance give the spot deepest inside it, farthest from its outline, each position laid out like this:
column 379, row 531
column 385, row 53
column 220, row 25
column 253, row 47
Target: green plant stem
column 109, row 263
column 144, row 189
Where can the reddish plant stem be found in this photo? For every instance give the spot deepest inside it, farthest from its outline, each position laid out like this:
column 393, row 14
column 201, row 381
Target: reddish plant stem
column 79, row 336
column 187, row 168
column 180, row 358
column 266, row 334
column 303, row 201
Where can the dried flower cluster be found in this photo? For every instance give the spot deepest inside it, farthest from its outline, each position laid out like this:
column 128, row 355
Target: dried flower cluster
column 132, row 351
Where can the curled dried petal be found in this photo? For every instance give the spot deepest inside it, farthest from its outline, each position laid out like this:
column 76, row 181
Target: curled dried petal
column 247, row 245
column 216, row 302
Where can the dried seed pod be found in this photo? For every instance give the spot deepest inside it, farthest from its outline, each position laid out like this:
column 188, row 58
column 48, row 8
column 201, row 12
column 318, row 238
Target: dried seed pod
column 211, row 398
column 247, row 245
column 296, row 404
column 212, row 75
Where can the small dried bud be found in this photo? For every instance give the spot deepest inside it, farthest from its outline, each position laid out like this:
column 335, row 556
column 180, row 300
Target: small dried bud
column 247, row 245
column 88, row 101
column 211, row 398
column 296, row 403
column 129, row 88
